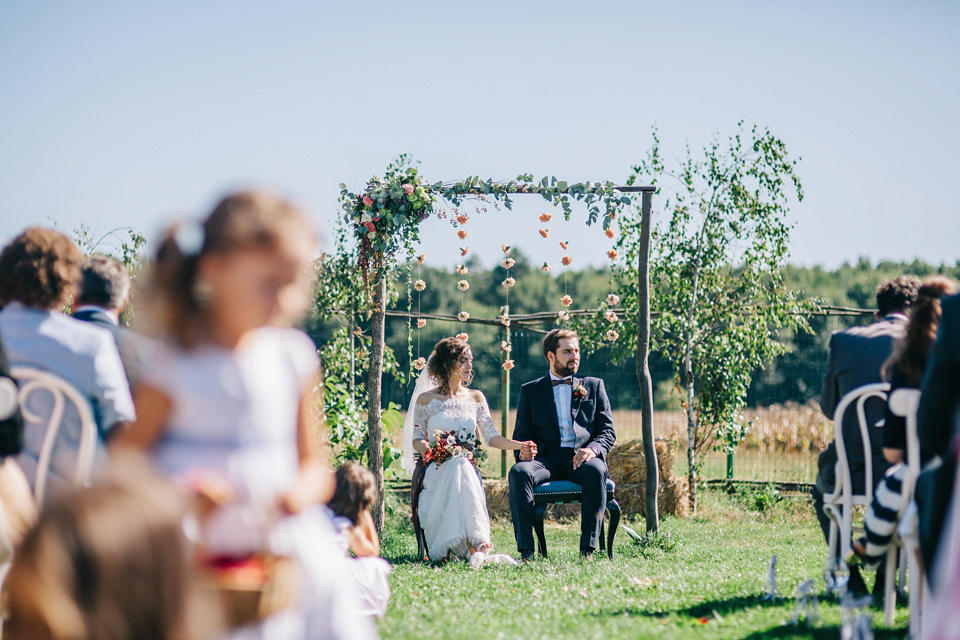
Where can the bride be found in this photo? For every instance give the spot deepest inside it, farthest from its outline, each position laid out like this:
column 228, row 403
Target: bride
column 453, row 508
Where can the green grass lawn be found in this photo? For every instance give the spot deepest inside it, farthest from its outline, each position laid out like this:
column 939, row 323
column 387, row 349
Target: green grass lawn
column 709, row 585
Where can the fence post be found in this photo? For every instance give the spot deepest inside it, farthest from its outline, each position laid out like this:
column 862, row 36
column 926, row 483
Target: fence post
column 730, row 465
column 504, row 398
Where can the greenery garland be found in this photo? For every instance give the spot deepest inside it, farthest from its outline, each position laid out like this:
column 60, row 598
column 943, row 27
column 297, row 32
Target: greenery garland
column 386, row 216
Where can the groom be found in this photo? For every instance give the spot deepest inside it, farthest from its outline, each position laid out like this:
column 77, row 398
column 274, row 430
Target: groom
column 569, row 419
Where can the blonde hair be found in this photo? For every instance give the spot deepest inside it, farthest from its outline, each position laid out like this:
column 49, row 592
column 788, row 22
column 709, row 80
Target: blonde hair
column 109, row 562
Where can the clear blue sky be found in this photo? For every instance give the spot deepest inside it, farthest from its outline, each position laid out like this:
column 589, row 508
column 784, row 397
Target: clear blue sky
column 127, row 113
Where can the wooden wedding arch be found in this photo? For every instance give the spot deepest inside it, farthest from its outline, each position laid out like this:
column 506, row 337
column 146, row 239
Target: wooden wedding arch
column 558, row 194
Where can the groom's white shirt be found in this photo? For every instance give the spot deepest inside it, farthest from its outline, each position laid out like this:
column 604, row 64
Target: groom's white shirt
column 563, row 400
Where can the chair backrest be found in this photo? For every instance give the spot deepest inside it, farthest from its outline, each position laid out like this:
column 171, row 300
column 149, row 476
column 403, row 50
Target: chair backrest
column 906, row 402
column 858, row 398
column 34, row 381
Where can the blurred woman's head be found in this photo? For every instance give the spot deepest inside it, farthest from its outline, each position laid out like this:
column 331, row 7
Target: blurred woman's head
column 108, row 562
column 243, row 268
column 40, row 269
column 911, row 352
column 451, row 360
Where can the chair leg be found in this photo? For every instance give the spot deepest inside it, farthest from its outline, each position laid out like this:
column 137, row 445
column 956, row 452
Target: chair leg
column 831, row 563
column 539, row 510
column 601, row 543
column 889, row 593
column 614, row 508
column 421, row 540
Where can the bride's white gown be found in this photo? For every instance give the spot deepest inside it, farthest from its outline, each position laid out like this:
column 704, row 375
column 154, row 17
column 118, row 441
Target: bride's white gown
column 453, row 507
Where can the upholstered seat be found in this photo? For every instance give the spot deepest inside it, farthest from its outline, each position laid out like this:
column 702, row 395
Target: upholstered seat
column 564, row 492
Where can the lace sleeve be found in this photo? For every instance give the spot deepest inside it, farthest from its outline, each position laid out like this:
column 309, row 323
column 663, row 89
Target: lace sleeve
column 485, row 423
column 421, row 416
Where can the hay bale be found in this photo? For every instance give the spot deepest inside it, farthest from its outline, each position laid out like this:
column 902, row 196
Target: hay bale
column 628, row 469
column 498, row 497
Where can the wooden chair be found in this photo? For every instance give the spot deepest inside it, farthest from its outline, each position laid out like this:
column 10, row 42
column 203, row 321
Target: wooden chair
column 905, row 402
column 35, row 382
column 416, row 485
column 566, row 492
column 838, row 505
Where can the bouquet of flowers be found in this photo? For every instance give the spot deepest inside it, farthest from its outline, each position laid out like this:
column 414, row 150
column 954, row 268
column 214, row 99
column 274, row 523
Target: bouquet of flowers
column 449, row 444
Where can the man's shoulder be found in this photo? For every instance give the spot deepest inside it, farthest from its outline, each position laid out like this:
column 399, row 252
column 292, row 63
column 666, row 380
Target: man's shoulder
column 532, row 383
column 881, row 330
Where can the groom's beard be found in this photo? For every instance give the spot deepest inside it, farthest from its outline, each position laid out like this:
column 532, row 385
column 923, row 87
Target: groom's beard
column 562, row 371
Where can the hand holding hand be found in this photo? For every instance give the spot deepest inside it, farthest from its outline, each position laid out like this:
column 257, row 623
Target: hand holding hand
column 528, row 451
column 582, row 456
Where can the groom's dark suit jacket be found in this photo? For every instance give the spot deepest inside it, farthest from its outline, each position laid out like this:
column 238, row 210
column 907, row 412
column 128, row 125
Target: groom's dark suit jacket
column 537, row 417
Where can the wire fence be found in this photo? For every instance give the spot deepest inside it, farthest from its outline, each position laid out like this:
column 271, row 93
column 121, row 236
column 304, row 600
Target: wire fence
column 786, row 429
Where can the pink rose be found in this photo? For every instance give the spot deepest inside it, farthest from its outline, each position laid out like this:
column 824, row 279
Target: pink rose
column 408, row 189
column 369, row 226
column 367, row 201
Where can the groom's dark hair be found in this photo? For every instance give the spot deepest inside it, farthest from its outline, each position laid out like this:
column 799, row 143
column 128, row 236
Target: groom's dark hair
column 551, row 341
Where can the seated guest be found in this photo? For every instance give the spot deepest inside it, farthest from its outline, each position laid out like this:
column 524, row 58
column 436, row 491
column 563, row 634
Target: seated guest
column 103, row 295
column 855, row 359
column 39, row 272
column 354, row 493
column 904, row 369
column 938, row 423
column 17, row 509
column 937, row 426
column 109, row 561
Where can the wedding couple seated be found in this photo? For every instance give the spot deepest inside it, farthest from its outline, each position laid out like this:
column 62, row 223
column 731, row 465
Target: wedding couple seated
column 563, row 431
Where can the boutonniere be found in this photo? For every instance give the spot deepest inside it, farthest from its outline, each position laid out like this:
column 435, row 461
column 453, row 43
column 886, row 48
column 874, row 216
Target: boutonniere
column 579, row 391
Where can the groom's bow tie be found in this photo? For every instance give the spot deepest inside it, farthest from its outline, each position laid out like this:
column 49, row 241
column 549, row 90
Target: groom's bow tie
column 563, row 381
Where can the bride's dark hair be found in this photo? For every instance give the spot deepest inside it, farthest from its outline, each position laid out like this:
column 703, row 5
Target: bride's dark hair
column 446, row 356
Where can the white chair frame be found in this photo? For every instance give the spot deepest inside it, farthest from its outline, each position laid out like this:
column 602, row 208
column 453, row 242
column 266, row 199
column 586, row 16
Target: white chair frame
column 905, row 402
column 33, row 381
column 838, row 505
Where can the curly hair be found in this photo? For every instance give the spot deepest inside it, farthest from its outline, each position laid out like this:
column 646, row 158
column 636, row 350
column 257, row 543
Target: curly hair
column 444, row 359
column 39, row 269
column 911, row 351
column 898, row 294
column 354, row 492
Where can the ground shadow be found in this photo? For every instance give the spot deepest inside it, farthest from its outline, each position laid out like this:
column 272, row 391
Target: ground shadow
column 706, row 609
column 827, row 631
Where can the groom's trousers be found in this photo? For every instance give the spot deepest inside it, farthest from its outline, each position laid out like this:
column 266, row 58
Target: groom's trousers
column 558, row 465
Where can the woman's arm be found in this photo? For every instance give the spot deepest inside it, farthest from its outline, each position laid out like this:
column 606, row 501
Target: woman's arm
column 363, row 538
column 499, row 442
column 153, row 408
column 489, row 432
column 421, row 417
column 314, row 485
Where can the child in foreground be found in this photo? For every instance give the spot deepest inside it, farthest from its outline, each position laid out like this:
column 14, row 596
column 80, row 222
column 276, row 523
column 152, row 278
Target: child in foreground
column 350, row 504
column 228, row 408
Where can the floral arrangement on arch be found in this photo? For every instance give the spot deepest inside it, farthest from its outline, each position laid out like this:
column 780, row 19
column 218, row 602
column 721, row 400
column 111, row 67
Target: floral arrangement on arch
column 387, row 215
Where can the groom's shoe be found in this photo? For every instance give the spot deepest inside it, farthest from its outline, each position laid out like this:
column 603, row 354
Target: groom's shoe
column 526, row 556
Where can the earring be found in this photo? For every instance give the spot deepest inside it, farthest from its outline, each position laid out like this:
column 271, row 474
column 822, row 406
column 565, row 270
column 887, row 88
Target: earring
column 202, row 293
